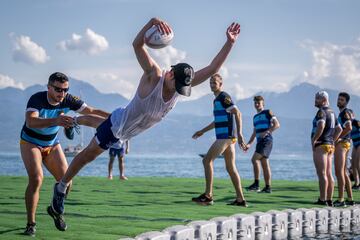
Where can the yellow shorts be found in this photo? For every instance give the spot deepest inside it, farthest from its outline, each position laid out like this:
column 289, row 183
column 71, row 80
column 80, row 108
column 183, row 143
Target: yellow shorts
column 327, row 148
column 234, row 140
column 45, row 151
column 345, row 145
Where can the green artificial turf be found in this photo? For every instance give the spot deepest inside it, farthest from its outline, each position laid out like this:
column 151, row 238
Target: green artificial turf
column 98, row 208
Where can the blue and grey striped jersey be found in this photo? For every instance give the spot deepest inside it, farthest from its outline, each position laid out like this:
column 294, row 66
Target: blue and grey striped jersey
column 223, row 119
column 39, row 103
column 262, row 121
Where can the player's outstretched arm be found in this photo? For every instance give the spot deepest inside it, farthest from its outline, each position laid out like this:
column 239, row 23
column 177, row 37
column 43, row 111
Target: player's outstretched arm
column 90, row 110
column 232, row 34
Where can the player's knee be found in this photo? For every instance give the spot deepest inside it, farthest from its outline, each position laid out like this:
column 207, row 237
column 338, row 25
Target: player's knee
column 339, row 174
column 206, row 160
column 89, row 154
column 321, row 173
column 35, row 181
column 230, row 168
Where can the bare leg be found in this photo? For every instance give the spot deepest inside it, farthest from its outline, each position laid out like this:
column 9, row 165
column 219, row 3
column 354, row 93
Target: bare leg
column 229, row 155
column 266, row 170
column 340, row 170
column 110, row 166
column 56, row 162
column 330, row 178
column 320, row 161
column 356, row 165
column 84, row 157
column 122, row 168
column 32, row 160
column 215, row 150
column 348, row 186
column 256, row 165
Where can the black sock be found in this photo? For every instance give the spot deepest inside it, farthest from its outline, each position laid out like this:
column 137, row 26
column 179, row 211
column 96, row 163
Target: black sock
column 256, row 182
column 267, row 186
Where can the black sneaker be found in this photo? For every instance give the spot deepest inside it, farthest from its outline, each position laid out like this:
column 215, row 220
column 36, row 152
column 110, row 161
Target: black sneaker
column 330, row 203
column 237, row 203
column 69, row 133
column 356, row 187
column 57, row 202
column 30, row 229
column 253, row 187
column 266, row 190
column 203, row 200
column 350, row 203
column 59, row 219
column 337, row 203
column 321, row 202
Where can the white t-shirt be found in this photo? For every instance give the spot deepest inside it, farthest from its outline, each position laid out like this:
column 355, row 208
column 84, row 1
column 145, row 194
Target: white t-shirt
column 141, row 113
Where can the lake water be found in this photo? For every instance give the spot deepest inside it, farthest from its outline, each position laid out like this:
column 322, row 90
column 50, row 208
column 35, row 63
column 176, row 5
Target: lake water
column 286, row 166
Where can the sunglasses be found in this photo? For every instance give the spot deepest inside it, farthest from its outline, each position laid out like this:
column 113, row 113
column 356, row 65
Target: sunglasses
column 59, row 90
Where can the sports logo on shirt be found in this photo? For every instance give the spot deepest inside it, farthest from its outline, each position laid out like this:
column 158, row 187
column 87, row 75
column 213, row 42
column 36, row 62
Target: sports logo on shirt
column 76, row 98
column 227, row 100
column 347, row 116
column 320, row 114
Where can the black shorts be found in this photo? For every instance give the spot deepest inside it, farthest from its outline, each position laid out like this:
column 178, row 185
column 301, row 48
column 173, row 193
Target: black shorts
column 264, row 146
column 104, row 136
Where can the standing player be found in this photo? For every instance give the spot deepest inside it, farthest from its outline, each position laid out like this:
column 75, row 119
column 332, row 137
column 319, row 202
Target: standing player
column 156, row 95
column 325, row 132
column 119, row 149
column 265, row 123
column 226, row 114
column 342, row 148
column 355, row 156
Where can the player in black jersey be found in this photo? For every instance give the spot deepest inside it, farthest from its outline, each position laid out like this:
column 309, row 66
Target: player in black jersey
column 325, row 131
column 342, row 147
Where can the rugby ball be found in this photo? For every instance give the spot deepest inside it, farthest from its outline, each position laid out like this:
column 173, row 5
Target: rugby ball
column 155, row 39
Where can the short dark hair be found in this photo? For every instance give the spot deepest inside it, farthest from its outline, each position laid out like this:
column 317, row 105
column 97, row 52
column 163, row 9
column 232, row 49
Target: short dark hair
column 258, row 98
column 345, row 95
column 58, row 77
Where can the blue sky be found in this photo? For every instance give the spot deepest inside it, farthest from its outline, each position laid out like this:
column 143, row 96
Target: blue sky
column 281, row 43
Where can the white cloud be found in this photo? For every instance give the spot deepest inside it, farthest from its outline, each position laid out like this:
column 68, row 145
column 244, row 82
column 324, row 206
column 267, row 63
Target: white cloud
column 90, row 43
column 224, row 72
column 113, row 83
column 27, row 51
column 6, row 81
column 239, row 92
column 107, row 81
column 167, row 56
column 334, row 66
